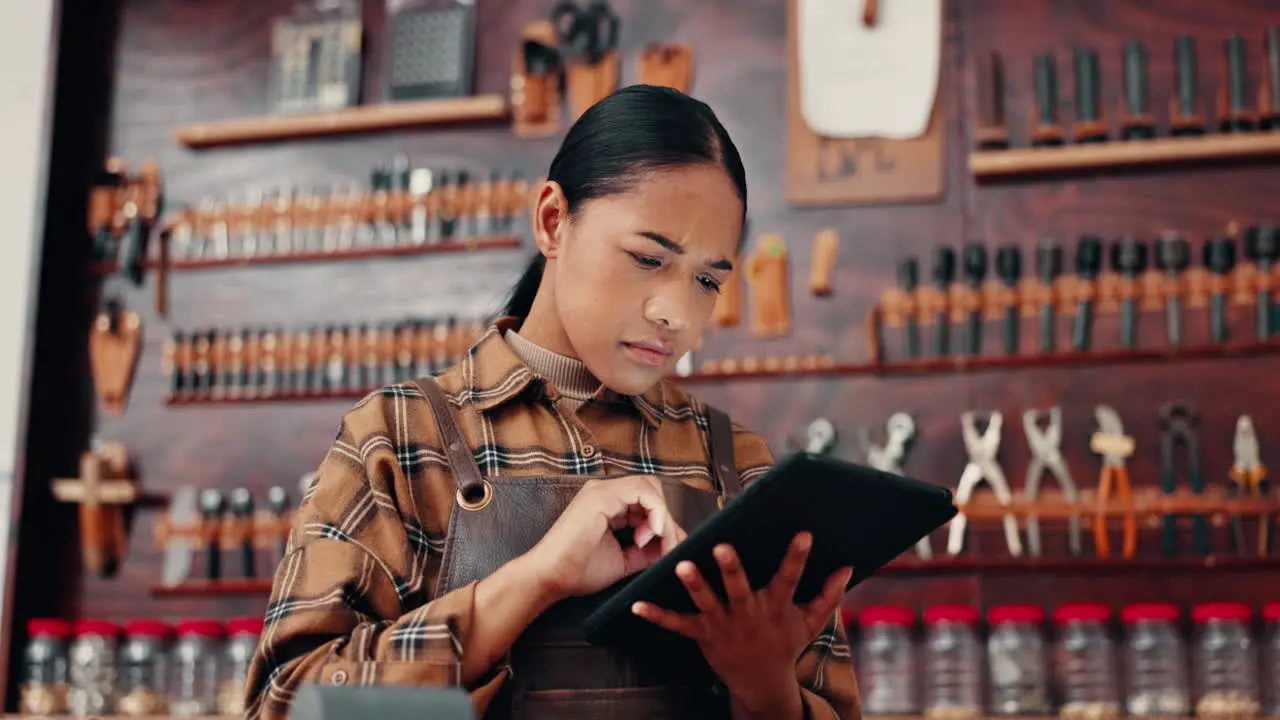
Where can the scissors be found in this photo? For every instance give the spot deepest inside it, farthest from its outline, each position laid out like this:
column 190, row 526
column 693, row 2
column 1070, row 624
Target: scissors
column 588, row 32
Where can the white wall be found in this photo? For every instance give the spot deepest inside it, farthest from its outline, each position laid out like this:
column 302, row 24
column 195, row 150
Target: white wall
column 28, row 56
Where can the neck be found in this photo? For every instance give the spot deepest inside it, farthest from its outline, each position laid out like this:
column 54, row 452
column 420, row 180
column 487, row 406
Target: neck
column 542, row 327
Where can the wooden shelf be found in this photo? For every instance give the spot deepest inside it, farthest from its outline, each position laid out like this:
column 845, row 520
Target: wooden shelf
column 462, row 246
column 214, row 588
column 942, row 564
column 370, row 118
column 994, row 164
column 1148, row 505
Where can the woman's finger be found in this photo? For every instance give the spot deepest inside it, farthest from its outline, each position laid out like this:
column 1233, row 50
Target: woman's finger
column 783, row 586
column 736, row 586
column 704, row 598
column 686, row 625
column 820, row 610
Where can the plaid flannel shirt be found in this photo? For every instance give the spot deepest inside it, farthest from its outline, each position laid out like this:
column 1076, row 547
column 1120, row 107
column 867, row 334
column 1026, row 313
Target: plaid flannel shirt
column 352, row 602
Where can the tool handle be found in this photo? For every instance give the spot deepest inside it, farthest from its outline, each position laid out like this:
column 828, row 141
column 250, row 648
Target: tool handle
column 1048, row 327
column 1128, row 320
column 213, row 561
column 1011, row 322
column 1199, row 523
column 973, row 333
column 247, row 559
column 1169, row 522
column 1218, row 318
column 1173, row 321
column 1235, row 490
column 1264, row 314
column 941, row 335
column 1080, row 330
column 913, row 338
column 1266, row 524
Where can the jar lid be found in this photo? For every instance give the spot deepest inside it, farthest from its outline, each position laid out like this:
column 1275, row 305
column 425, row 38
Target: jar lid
column 1081, row 612
column 245, row 626
column 887, row 615
column 1221, row 611
column 147, row 628
column 951, row 614
column 97, row 627
column 200, row 626
column 1015, row 614
column 51, row 627
column 1138, row 612
column 1271, row 612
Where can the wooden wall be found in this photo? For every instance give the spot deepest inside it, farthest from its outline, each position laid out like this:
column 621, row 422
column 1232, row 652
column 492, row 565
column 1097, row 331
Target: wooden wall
column 176, row 61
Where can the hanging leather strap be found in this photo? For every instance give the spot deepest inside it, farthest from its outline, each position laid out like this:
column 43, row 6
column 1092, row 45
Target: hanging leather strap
column 466, row 471
column 722, row 459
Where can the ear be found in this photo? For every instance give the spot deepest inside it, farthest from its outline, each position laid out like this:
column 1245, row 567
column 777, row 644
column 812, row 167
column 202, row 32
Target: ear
column 550, row 217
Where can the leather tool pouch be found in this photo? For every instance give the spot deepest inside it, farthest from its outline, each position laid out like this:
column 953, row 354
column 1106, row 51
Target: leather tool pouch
column 113, row 356
column 588, row 83
column 728, row 310
column 667, row 65
column 768, row 273
column 536, row 77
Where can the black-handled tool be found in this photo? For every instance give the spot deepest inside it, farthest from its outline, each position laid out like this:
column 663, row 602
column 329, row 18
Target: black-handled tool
column 178, row 378
column 1178, row 427
column 1138, row 124
column 909, row 280
column 975, row 271
column 1173, row 256
column 212, row 506
column 1219, row 259
column 1089, row 125
column 1185, row 116
column 1270, row 118
column 1049, row 262
column 1009, row 270
column 1129, row 259
column 944, row 273
column 242, row 509
column 1262, row 246
column 1088, row 264
column 1236, row 116
column 1045, row 79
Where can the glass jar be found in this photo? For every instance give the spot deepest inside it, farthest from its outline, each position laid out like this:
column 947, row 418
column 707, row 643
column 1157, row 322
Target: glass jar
column 1016, row 660
column 1086, row 663
column 91, row 668
column 887, row 661
column 195, row 668
column 1155, row 661
column 44, row 685
column 242, row 643
column 952, row 663
column 1226, row 673
column 144, row 663
column 1271, row 673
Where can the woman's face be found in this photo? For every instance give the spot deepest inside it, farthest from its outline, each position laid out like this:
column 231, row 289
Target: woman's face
column 637, row 274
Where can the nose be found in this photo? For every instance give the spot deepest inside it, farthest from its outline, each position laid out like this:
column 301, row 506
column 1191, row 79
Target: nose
column 668, row 309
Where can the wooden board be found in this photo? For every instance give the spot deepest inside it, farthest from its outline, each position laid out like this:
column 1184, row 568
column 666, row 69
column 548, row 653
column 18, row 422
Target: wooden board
column 858, row 171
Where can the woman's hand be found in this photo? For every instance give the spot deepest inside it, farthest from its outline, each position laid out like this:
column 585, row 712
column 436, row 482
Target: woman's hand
column 754, row 639
column 580, row 554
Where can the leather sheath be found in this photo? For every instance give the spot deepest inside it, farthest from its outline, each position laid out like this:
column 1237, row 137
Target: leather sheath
column 556, row 673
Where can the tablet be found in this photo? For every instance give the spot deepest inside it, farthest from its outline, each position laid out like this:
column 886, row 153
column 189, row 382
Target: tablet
column 858, row 517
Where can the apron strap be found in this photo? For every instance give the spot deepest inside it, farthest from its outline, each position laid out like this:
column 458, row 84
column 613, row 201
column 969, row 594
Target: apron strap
column 466, row 472
column 722, row 460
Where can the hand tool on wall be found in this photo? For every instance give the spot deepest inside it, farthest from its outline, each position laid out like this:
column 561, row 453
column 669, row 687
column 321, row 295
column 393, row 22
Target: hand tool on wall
column 768, row 274
column 1090, row 125
column 178, row 549
column 900, row 429
column 1249, row 479
column 1115, row 447
column 990, row 132
column 1048, row 270
column 1178, row 427
column 589, row 36
column 104, row 488
column 975, row 272
column 1269, row 96
column 1137, row 120
column 819, row 437
column 114, row 342
column 1262, row 246
column 1129, row 259
column 909, row 281
column 1009, row 271
column 823, row 264
column 667, row 65
column 242, row 511
column 1233, row 105
column 212, row 506
column 982, row 450
column 1046, row 444
column 1220, row 260
column 1046, row 131
column 944, row 274
column 176, row 362
column 1088, row 264
column 1185, row 117
column 1173, row 256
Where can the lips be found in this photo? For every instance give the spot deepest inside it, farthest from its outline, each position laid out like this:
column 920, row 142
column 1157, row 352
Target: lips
column 649, row 352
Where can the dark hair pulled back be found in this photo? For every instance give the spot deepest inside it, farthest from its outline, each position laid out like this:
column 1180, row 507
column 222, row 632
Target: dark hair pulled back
column 634, row 131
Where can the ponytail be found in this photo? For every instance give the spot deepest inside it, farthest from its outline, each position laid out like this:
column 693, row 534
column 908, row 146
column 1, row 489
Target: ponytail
column 521, row 299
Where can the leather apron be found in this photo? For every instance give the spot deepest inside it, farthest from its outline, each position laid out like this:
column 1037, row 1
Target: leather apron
column 556, row 674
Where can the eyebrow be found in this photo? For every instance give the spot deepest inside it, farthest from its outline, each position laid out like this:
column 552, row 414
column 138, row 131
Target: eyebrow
column 674, row 247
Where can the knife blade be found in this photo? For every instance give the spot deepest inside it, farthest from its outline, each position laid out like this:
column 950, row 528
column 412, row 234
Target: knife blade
column 183, row 512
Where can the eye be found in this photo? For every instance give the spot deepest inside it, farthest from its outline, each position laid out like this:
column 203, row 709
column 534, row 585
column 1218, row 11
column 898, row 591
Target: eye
column 709, row 283
column 645, row 261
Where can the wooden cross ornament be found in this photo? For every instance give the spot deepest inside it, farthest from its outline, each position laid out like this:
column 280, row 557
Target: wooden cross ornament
column 103, row 490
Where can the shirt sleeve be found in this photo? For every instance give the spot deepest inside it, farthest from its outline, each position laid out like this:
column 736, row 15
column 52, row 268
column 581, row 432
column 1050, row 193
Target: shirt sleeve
column 825, row 669
column 349, row 602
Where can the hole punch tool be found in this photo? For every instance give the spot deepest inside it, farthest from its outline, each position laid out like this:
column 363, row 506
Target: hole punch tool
column 982, row 450
column 1249, row 479
column 900, row 429
column 1046, row 447
column 1115, row 447
column 1178, row 427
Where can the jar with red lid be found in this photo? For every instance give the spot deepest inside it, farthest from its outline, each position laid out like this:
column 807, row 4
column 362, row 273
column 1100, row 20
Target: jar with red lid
column 887, row 661
column 952, row 663
column 195, row 661
column 242, row 643
column 1155, row 661
column 144, row 657
column 1016, row 660
column 44, row 685
column 1086, row 664
column 1271, row 664
column 1226, row 672
column 91, row 668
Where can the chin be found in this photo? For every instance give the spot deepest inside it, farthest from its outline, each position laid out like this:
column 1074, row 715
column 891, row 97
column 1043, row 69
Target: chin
column 632, row 380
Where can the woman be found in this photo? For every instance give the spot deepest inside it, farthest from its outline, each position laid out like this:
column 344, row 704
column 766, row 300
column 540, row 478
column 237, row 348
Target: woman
column 460, row 527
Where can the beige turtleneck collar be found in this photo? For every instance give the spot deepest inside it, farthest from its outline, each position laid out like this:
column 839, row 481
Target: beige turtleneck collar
column 570, row 377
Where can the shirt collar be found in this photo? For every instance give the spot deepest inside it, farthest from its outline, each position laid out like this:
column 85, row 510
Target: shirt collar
column 493, row 375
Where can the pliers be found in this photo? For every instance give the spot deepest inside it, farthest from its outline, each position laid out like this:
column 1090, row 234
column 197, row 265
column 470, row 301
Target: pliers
column 1177, row 425
column 982, row 450
column 1114, row 446
column 1249, row 479
column 1046, row 444
column 899, row 430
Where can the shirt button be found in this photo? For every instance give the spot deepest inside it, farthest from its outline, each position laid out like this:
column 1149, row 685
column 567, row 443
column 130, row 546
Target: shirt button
column 339, row 678
column 588, row 450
